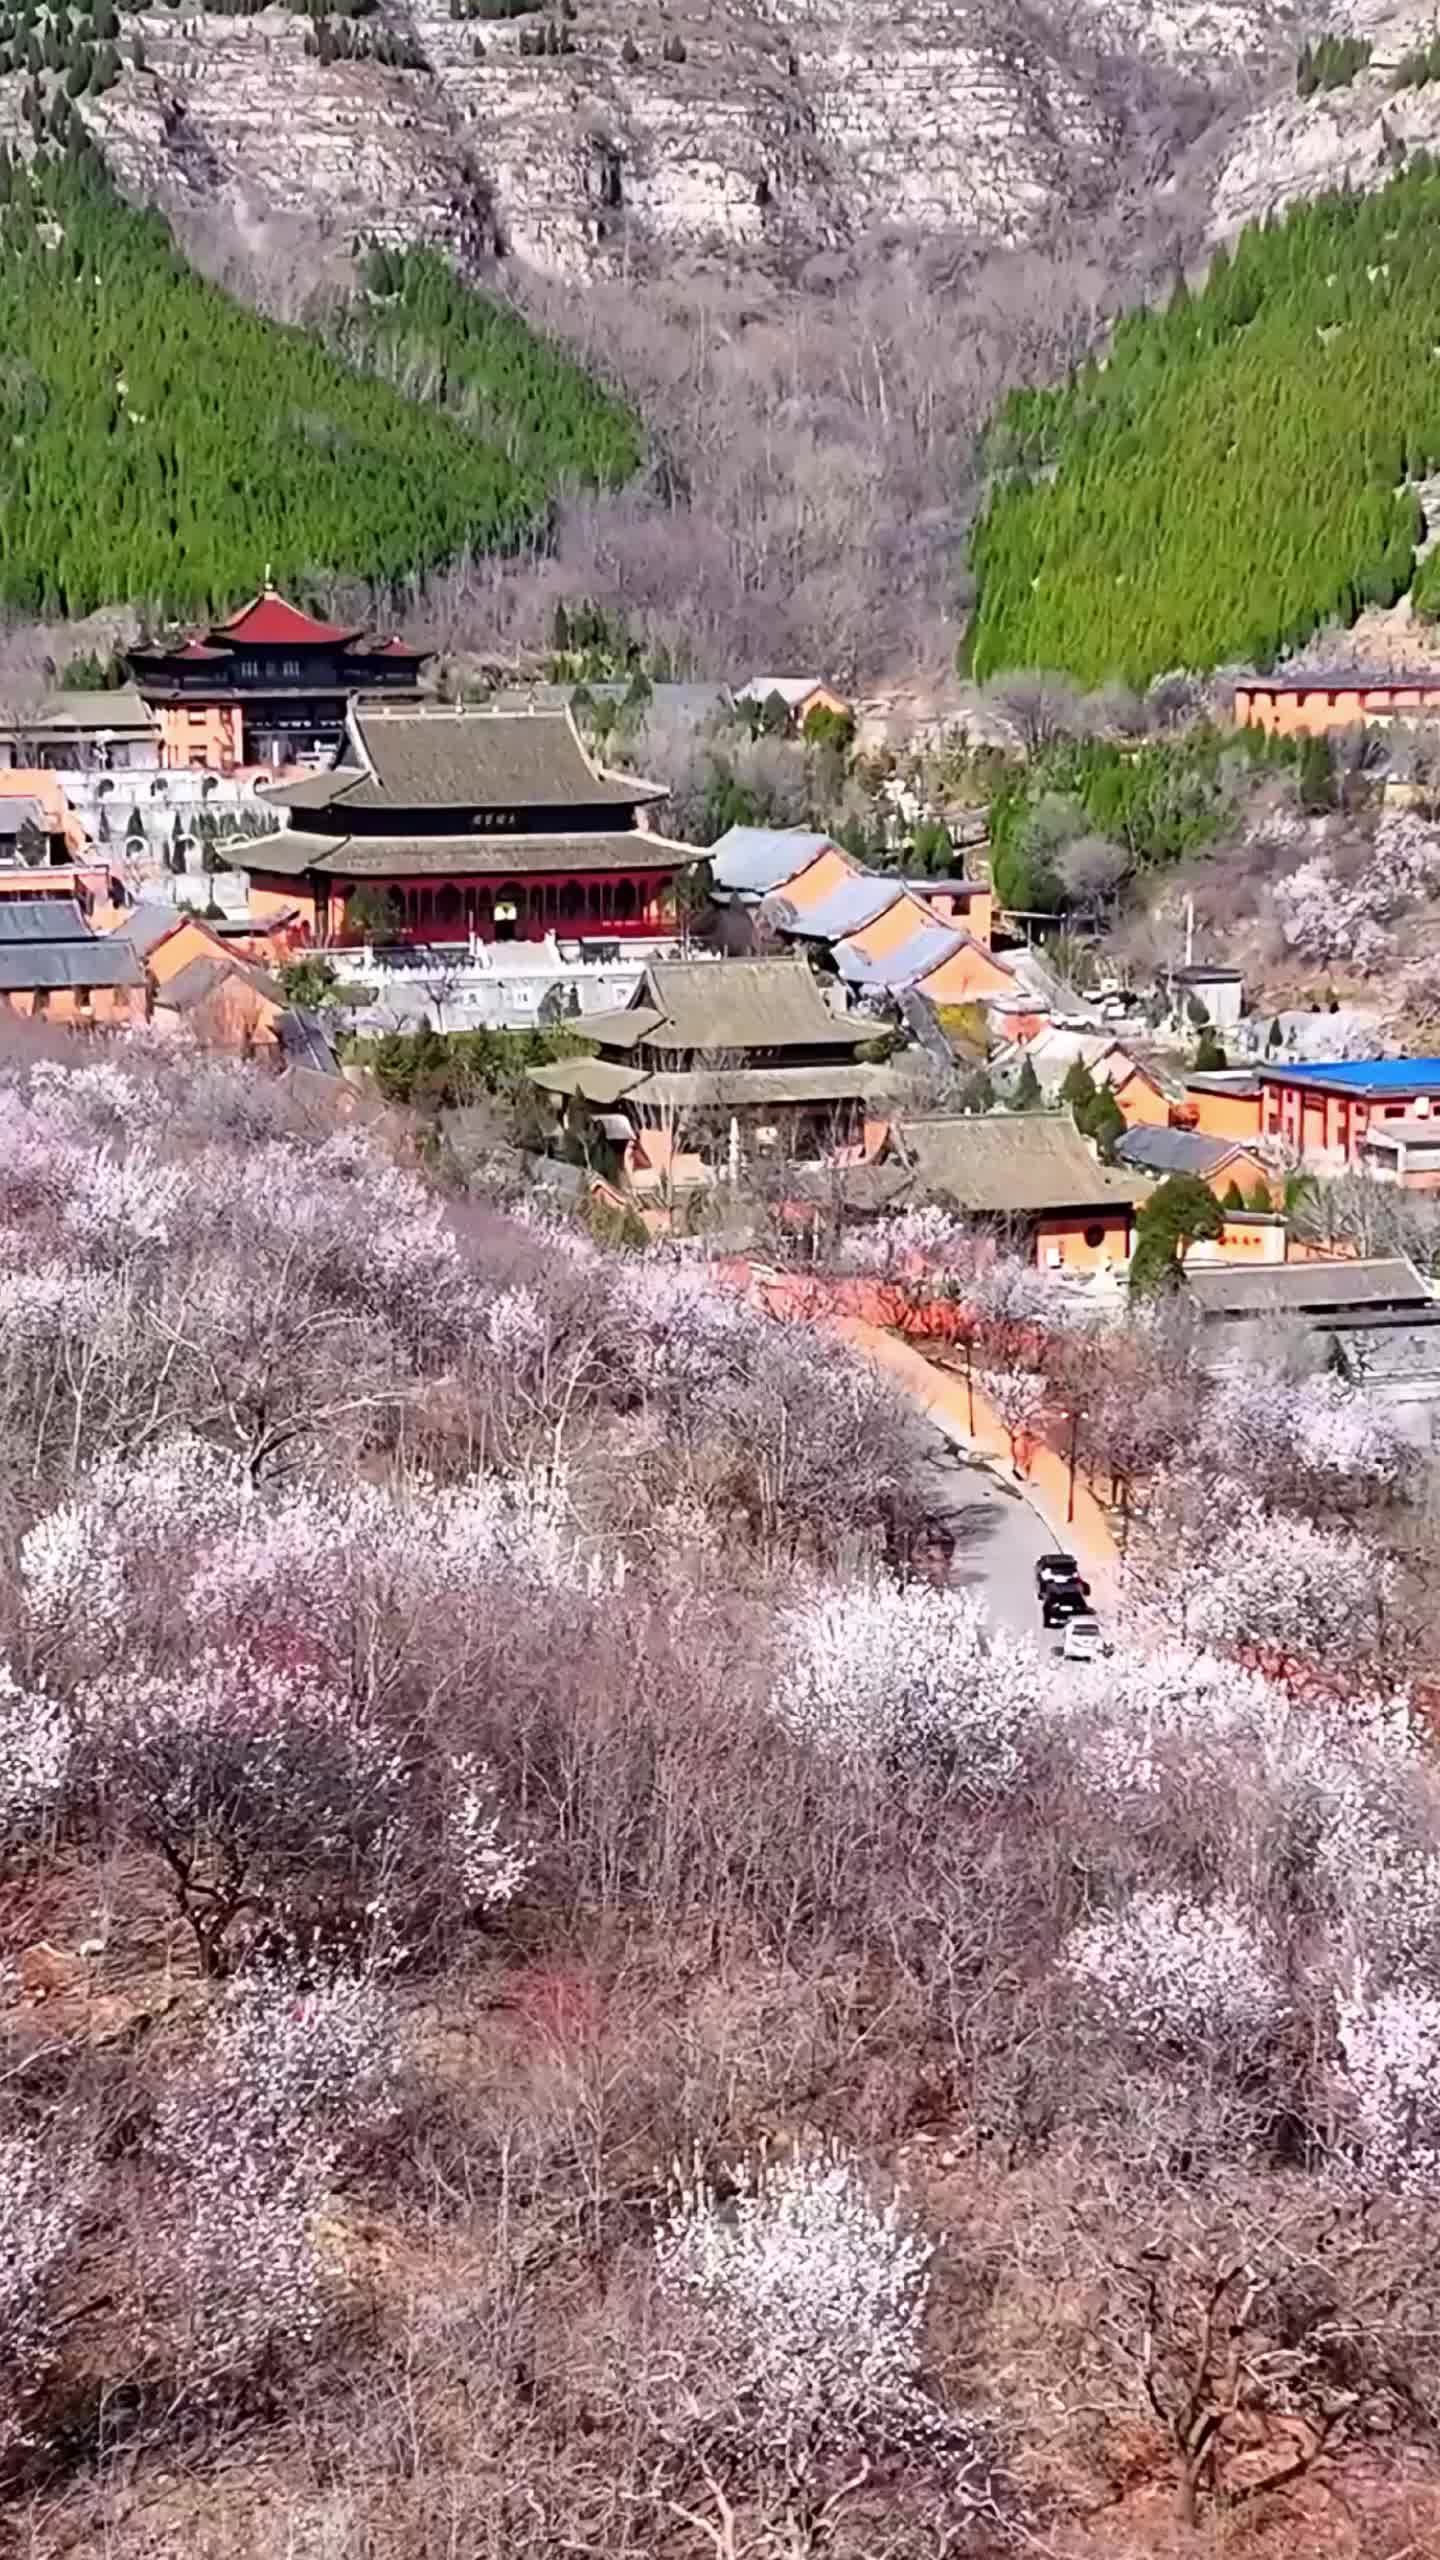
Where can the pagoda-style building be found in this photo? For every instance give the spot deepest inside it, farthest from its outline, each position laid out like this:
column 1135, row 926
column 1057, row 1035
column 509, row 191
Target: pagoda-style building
column 270, row 686
column 453, row 826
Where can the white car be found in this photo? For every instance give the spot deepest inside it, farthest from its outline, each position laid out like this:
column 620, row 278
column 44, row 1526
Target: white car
column 1082, row 1640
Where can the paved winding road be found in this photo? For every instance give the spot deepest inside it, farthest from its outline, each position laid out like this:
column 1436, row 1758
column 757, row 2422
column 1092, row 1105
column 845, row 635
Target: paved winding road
column 997, row 1535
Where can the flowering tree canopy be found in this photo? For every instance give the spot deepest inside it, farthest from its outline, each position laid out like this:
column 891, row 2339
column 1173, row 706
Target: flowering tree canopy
column 814, row 2299
column 905, row 1673
column 1177, row 1972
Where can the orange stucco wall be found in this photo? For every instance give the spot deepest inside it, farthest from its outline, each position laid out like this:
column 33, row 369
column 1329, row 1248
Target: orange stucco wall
column 974, row 910
column 895, row 927
column 1292, row 711
column 204, row 734
column 1323, row 1128
column 1224, row 1115
column 235, row 1016
column 269, row 898
column 1245, row 1237
column 26, row 782
column 112, row 1006
column 189, row 940
column 1069, row 1236
column 819, row 879
column 1142, row 1104
column 967, row 974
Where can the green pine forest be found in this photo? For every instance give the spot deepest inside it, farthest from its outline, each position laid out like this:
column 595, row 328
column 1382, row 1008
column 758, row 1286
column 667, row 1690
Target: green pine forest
column 158, row 438
column 1230, row 474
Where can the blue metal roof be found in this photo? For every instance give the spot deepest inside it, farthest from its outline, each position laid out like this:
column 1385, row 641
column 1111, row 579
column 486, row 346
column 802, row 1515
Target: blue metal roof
column 1363, row 1075
column 854, row 904
column 927, row 946
column 761, row 858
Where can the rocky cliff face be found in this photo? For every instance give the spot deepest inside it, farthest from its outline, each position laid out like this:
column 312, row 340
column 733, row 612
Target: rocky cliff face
column 671, row 134
column 1356, row 135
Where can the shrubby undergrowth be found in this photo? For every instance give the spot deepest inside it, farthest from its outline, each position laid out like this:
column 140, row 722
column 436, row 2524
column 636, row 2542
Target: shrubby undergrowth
column 473, row 1738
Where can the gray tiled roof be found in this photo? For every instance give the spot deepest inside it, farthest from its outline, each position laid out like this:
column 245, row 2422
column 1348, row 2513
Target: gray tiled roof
column 444, row 759
column 473, row 856
column 759, row 859
column 1014, row 1161
column 743, row 1004
column 1163, row 1151
column 18, row 811
column 1305, row 1288
column 732, row 1088
column 147, row 925
column 924, row 950
column 101, row 962
column 121, row 709
column 43, row 920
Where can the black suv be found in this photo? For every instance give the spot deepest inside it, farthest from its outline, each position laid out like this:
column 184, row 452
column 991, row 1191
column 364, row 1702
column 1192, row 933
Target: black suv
column 1065, row 1600
column 1052, row 1569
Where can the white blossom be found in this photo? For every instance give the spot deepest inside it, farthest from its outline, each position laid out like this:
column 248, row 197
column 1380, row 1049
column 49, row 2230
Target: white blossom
column 1389, row 2043
column 1314, row 1594
column 63, row 1301
column 100, row 1100
column 917, row 1240
column 288, row 2061
column 1178, row 1972
column 79, row 1563
column 889, row 1670
column 35, row 1754
column 1325, row 915
column 253, row 2278
column 1311, row 1426
column 813, row 2295
column 1016, row 1395
column 314, row 1548
column 491, row 1866
column 254, row 2134
column 42, row 2195
column 1131, row 1713
column 115, row 1200
column 515, row 1327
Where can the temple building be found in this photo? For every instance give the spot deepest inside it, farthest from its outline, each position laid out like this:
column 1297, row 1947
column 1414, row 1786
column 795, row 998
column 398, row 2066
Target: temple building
column 270, row 686
column 449, row 826
column 718, row 1064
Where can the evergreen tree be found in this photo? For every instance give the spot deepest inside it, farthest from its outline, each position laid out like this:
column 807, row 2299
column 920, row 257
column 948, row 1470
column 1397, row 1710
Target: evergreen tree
column 229, row 423
column 1028, row 1096
column 1078, row 1091
column 1105, row 1123
column 1317, row 775
column 1180, row 1211
column 1209, row 1053
column 1239, row 468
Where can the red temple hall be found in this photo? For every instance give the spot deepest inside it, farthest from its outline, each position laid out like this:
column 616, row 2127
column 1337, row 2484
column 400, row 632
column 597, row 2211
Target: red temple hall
column 443, row 825
column 270, row 686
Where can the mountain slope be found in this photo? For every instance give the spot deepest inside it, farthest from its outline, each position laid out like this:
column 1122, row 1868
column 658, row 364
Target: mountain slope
column 157, row 438
column 1232, row 474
